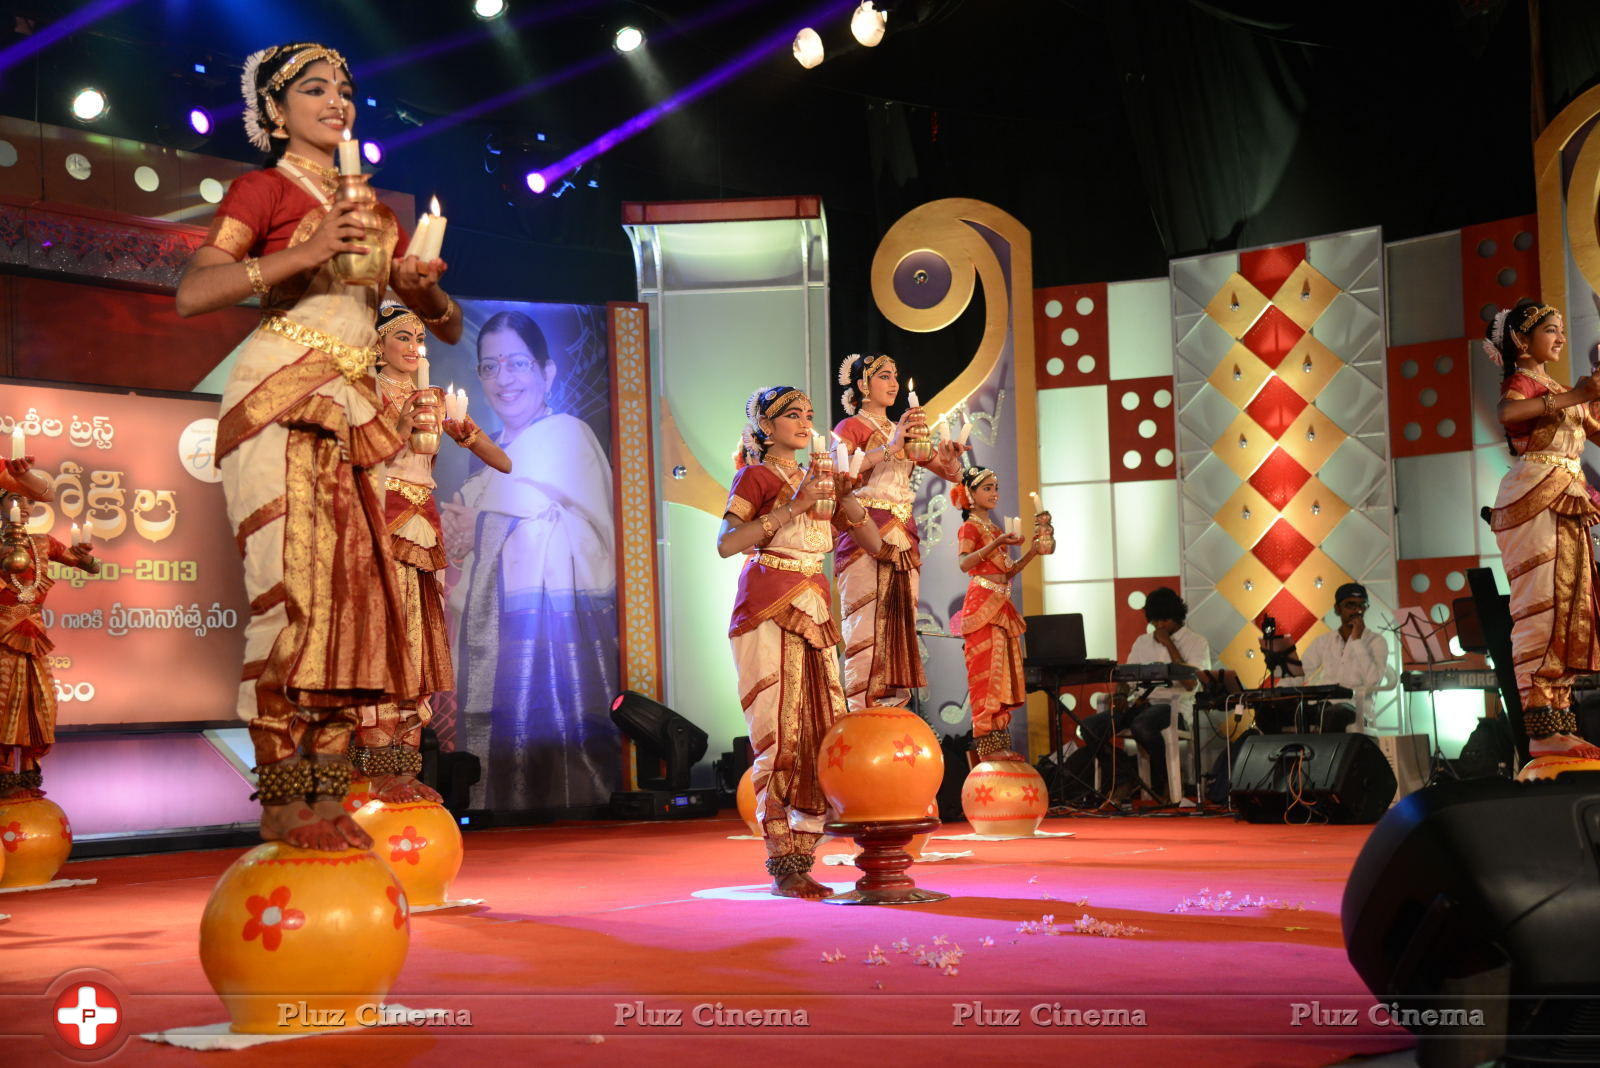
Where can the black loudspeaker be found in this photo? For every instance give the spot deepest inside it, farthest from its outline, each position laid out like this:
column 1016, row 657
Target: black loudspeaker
column 1300, row 778
column 1485, row 895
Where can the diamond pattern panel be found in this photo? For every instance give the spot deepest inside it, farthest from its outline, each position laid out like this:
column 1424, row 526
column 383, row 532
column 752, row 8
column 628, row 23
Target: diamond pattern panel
column 1279, row 478
column 1282, row 549
column 1273, row 336
column 1305, row 295
column 1268, row 268
column 1236, row 306
column 1246, row 515
column 1312, row 439
column 1296, row 411
column 1239, row 376
column 1276, row 407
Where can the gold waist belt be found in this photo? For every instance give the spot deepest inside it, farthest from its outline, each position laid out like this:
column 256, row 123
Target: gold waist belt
column 1554, row 460
column 901, row 512
column 783, row 563
column 417, row 495
column 991, row 584
column 354, row 362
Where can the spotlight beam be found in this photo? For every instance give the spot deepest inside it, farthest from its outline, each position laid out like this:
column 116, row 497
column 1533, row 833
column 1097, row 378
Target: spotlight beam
column 55, row 31
column 782, row 39
column 554, row 78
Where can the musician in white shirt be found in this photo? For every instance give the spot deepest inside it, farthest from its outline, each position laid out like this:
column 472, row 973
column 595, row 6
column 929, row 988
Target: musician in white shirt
column 1352, row 656
column 1168, row 641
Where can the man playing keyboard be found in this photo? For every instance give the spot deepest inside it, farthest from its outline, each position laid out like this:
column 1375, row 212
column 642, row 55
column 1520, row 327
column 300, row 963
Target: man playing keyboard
column 1352, row 656
column 1168, row 641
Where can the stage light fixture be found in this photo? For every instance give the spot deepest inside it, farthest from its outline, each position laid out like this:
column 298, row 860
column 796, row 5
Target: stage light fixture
column 628, row 39
column 200, row 121
column 488, row 9
column 868, row 24
column 372, row 152
column 536, row 182
column 89, row 104
column 808, row 48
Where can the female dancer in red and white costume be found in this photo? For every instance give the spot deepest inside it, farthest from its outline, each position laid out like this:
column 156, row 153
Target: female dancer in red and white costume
column 878, row 591
column 783, row 632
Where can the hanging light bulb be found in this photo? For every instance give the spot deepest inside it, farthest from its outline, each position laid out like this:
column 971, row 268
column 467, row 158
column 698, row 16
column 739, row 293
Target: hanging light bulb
column 1233, row 301
column 1244, row 513
column 1306, row 367
column 1244, row 442
column 1311, row 433
column 867, row 24
column 1237, row 374
column 1316, row 508
column 1305, row 290
column 808, row 48
column 1318, row 582
column 1249, row 585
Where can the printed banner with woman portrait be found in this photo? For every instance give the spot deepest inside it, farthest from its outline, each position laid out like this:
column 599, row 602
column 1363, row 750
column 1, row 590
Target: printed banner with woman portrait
column 532, row 582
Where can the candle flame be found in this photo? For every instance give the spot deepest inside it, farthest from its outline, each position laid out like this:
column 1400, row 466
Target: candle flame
column 347, row 133
column 911, row 384
column 433, row 206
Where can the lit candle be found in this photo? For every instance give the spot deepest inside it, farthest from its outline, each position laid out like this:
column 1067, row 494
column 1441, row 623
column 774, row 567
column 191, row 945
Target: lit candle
column 911, row 396
column 1016, row 525
column 349, row 155
column 420, row 238
column 461, row 407
column 422, row 373
column 856, row 459
column 816, row 444
column 1037, row 507
column 430, row 234
column 88, row 532
column 966, row 432
column 19, row 444
column 16, row 512
column 77, row 535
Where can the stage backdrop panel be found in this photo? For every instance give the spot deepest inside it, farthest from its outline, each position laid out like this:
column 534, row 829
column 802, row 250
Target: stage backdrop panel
column 532, row 581
column 1283, row 440
column 157, row 637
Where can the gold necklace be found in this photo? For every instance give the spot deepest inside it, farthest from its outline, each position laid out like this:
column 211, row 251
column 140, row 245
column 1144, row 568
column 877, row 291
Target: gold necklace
column 327, row 176
column 29, row 593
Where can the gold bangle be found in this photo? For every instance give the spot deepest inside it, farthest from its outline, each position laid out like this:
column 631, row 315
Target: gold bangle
column 766, row 524
column 444, row 316
column 466, row 440
column 866, row 517
column 252, row 270
column 1549, row 403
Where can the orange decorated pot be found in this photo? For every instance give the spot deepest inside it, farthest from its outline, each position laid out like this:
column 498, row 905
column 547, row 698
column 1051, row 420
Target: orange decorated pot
column 745, row 797
column 880, row 764
column 920, row 842
column 420, row 840
column 1547, row 767
column 359, row 794
column 300, row 940
column 35, row 837
column 1004, row 797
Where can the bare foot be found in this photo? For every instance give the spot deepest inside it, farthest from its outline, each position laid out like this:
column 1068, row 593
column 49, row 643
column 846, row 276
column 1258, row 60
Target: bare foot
column 1568, row 745
column 301, row 827
column 350, row 832
column 400, row 789
column 800, row 885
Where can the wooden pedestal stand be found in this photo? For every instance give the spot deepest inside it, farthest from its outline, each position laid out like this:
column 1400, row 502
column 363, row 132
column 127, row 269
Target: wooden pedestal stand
column 883, row 861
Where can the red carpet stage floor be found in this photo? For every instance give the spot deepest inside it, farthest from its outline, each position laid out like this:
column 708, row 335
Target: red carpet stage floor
column 585, row 925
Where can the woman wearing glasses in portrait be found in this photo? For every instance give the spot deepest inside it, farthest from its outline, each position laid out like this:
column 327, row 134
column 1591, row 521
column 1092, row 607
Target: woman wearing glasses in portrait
column 537, row 652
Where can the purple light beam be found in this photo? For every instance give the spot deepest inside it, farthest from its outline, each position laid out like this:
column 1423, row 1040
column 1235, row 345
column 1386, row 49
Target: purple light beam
column 649, row 117
column 55, row 31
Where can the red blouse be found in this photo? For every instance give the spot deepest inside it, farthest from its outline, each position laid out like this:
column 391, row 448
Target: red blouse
column 988, row 585
column 766, row 591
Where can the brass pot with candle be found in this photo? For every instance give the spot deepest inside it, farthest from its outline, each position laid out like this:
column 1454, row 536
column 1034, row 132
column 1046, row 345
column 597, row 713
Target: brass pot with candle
column 13, row 539
column 919, row 442
column 426, row 420
column 362, row 268
column 1044, row 536
column 823, row 509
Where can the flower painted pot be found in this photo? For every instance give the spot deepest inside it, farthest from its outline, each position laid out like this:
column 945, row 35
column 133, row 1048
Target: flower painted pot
column 297, row 940
column 35, row 838
column 1004, row 797
column 1547, row 767
column 420, row 840
column 880, row 764
column 745, row 798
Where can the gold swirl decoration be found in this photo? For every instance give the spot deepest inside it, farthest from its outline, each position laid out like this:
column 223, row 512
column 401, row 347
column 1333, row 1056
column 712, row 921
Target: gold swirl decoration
column 946, row 238
column 1582, row 193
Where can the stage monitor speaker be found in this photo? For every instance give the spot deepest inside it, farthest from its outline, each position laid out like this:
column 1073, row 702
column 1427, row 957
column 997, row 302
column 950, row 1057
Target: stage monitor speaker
column 1300, row 778
column 663, row 738
column 1488, row 887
